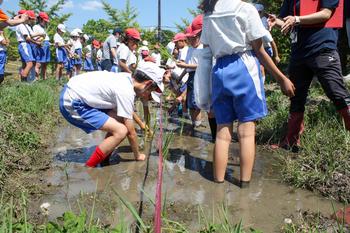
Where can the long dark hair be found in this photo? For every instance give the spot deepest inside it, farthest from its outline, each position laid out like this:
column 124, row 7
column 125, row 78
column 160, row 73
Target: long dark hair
column 208, row 5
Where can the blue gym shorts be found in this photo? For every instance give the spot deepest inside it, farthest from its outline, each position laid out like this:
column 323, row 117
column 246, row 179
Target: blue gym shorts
column 3, row 59
column 42, row 53
column 26, row 52
column 80, row 114
column 238, row 90
column 61, row 55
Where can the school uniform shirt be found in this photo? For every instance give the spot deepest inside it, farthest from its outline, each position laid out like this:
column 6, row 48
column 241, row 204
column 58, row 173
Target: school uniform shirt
column 310, row 40
column 182, row 54
column 39, row 29
column 57, row 38
column 88, row 49
column 21, row 31
column 192, row 56
column 157, row 57
column 123, row 53
column 2, row 48
column 267, row 40
column 105, row 90
column 132, row 59
column 231, row 28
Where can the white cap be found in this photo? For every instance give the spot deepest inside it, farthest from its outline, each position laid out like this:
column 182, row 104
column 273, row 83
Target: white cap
column 156, row 74
column 61, row 27
column 78, row 30
column 170, row 47
column 74, row 33
column 145, row 43
column 86, row 37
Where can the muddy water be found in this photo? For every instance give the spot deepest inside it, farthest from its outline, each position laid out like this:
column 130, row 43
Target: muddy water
column 187, row 182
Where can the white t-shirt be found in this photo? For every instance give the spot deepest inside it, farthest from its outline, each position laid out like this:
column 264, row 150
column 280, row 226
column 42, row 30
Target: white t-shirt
column 157, row 57
column 231, row 27
column 132, row 59
column 192, row 56
column 22, row 30
column 183, row 53
column 123, row 53
column 2, row 48
column 57, row 38
column 267, row 39
column 39, row 29
column 105, row 90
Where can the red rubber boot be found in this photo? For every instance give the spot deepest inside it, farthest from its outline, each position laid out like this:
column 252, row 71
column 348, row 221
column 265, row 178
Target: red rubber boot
column 345, row 113
column 294, row 131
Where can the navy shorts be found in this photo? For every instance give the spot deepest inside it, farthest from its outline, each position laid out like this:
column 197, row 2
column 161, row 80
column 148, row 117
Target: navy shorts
column 42, row 53
column 190, row 99
column 80, row 114
column 238, row 90
column 61, row 55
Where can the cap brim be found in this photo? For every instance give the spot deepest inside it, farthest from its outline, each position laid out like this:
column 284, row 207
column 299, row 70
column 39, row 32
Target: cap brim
column 193, row 33
column 156, row 96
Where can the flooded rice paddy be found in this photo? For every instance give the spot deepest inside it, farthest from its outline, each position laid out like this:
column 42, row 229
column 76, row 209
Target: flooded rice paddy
column 187, row 183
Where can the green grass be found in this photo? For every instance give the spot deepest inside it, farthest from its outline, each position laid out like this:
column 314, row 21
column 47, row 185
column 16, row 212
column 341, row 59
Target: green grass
column 27, row 117
column 323, row 164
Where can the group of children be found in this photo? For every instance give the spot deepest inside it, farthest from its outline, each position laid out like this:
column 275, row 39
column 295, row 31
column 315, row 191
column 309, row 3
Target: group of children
column 238, row 39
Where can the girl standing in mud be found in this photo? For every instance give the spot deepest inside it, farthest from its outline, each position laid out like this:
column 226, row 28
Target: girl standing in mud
column 233, row 31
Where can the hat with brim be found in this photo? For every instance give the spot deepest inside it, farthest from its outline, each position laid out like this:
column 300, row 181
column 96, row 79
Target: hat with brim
column 44, row 16
column 179, row 36
column 155, row 73
column 62, row 28
column 195, row 27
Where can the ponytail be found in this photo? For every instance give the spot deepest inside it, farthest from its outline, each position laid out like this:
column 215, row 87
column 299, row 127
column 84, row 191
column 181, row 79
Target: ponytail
column 209, row 5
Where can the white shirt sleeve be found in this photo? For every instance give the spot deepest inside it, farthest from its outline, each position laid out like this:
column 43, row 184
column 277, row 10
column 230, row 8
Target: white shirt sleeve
column 24, row 30
column 1, row 38
column 125, row 106
column 123, row 53
column 253, row 25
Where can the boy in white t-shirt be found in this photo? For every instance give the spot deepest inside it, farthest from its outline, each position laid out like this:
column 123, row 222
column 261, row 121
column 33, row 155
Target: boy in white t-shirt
column 102, row 100
column 233, row 30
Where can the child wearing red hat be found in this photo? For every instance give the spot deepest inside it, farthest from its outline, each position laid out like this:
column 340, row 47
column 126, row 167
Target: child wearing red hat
column 42, row 51
column 125, row 52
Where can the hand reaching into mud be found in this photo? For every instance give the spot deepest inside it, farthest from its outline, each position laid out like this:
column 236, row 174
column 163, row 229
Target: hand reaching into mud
column 140, row 157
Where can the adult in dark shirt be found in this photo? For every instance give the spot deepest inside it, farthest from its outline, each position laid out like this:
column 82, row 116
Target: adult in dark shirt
column 313, row 53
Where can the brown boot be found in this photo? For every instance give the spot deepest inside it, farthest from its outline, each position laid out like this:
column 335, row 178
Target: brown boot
column 295, row 129
column 345, row 113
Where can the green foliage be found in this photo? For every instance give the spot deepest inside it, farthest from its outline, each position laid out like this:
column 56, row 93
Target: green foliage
column 125, row 18
column 24, row 124
column 323, row 164
column 102, row 25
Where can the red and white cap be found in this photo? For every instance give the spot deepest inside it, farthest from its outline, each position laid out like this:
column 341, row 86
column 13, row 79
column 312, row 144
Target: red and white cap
column 31, row 14
column 133, row 33
column 44, row 16
column 156, row 73
column 195, row 27
column 179, row 36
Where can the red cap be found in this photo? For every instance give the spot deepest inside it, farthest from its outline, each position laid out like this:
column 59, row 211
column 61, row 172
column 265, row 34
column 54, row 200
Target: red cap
column 179, row 36
column 44, row 16
column 96, row 44
column 21, row 12
column 31, row 14
column 196, row 26
column 133, row 33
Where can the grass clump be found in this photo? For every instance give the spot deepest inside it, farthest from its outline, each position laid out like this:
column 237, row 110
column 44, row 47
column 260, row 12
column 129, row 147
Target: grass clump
column 27, row 116
column 323, row 164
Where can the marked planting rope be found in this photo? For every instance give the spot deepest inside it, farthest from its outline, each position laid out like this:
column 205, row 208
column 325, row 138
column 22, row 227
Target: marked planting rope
column 158, row 207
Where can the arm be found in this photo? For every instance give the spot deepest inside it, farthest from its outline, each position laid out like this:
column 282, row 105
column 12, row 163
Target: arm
column 286, row 85
column 132, row 137
column 15, row 21
column 316, row 18
column 275, row 57
column 182, row 64
column 124, row 66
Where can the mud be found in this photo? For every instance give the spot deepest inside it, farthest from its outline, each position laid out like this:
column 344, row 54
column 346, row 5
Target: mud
column 187, row 182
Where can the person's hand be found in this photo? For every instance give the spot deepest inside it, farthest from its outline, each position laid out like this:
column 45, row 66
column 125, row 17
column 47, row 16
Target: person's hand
column 287, row 87
column 140, row 157
column 276, row 59
column 181, row 64
column 288, row 24
column 272, row 20
column 179, row 99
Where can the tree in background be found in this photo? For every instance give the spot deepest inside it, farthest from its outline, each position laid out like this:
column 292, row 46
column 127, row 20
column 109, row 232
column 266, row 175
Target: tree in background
column 184, row 22
column 123, row 19
column 99, row 29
